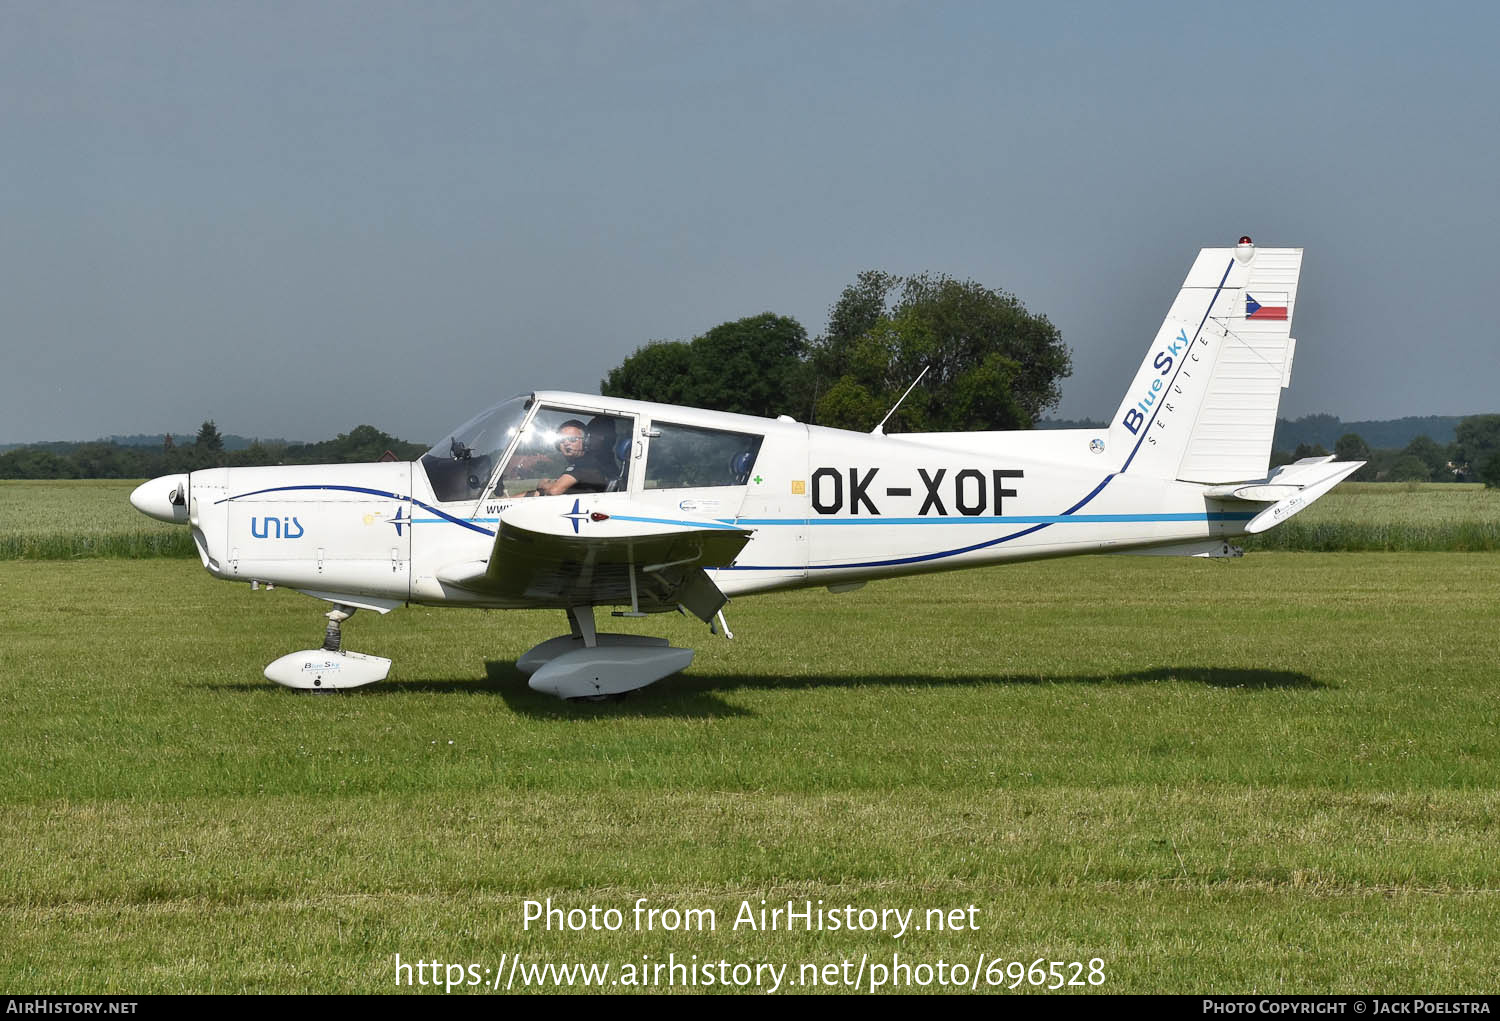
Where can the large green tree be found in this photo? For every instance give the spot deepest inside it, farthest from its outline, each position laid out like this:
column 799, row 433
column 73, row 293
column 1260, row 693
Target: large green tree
column 209, row 439
column 656, row 372
column 1433, row 456
column 1489, row 469
column 1478, row 442
column 751, row 366
column 1352, row 447
column 1408, row 468
column 991, row 363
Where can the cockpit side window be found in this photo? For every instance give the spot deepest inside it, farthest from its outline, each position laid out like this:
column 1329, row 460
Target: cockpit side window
column 686, row 457
column 568, row 451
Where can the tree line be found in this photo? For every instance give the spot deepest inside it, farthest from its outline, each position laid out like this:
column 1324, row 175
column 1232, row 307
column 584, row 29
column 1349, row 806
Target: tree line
column 1387, row 434
column 1473, row 456
column 105, row 460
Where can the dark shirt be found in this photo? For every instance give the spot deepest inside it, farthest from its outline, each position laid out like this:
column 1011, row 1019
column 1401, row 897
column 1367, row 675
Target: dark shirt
column 590, row 473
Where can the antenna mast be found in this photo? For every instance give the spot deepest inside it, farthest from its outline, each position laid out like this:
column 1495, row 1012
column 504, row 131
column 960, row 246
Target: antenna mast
column 879, row 430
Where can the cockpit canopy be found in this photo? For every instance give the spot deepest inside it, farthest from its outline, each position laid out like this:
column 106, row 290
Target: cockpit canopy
column 587, row 451
column 460, row 465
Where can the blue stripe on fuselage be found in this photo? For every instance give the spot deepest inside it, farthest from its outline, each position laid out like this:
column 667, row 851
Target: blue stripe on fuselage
column 383, row 494
column 1008, row 519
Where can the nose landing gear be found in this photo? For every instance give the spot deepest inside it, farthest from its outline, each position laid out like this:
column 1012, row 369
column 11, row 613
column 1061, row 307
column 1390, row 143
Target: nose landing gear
column 330, row 668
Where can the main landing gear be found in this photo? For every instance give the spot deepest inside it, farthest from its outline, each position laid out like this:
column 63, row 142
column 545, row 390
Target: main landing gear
column 330, row 668
column 586, row 664
column 582, row 664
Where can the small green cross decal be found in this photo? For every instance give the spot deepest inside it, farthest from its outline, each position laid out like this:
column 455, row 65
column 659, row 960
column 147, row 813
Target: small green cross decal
column 757, row 480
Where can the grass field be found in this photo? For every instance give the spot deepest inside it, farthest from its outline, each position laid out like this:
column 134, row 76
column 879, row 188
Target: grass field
column 1268, row 775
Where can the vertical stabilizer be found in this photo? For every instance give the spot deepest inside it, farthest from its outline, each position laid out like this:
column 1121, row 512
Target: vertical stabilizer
column 1202, row 407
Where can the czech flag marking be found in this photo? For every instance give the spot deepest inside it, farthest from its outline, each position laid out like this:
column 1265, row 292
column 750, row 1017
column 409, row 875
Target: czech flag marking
column 1268, row 306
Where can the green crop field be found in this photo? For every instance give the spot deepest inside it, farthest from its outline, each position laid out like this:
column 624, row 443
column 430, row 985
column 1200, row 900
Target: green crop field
column 1393, row 516
column 1276, row 774
column 65, row 519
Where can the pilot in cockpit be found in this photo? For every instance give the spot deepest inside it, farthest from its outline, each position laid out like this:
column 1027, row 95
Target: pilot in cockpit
column 589, row 462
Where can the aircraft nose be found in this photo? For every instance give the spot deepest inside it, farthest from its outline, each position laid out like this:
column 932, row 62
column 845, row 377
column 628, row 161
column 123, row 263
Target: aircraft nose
column 164, row 498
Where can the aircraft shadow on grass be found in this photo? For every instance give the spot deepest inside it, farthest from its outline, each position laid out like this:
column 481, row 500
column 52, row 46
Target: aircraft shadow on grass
column 698, row 696
column 688, row 695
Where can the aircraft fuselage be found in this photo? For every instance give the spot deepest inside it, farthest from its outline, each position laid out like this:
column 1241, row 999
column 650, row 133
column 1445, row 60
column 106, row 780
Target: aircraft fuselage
column 826, row 506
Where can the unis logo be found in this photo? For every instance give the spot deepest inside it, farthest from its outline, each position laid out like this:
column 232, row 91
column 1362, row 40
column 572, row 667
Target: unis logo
column 276, row 528
column 1163, row 362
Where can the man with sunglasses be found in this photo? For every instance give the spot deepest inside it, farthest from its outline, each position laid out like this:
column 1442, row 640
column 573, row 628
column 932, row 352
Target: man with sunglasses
column 585, row 471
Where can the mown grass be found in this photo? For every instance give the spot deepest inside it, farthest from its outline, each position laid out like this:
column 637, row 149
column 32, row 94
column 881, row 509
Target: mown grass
column 1268, row 775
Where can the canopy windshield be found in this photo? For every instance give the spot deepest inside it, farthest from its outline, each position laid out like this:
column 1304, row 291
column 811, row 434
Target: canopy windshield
column 460, row 464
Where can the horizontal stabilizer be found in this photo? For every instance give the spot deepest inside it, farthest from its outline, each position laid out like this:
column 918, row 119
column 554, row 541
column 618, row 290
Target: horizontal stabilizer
column 1252, row 492
column 1311, row 477
column 1287, row 480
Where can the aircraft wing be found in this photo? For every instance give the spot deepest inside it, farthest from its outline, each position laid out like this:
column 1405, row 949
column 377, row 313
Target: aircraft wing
column 582, row 551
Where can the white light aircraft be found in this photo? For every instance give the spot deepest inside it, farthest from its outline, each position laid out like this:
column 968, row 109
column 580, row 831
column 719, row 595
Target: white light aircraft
column 573, row 501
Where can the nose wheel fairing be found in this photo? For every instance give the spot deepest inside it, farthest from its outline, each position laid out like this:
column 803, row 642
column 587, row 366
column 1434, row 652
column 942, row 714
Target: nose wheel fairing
column 316, row 670
column 330, row 668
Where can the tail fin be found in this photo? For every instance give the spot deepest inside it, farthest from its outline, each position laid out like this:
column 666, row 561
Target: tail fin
column 1203, row 405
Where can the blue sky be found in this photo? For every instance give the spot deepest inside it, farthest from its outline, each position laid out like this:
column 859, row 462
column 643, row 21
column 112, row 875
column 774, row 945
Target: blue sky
column 297, row 217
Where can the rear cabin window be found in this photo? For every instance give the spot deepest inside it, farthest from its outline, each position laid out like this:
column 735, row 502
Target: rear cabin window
column 686, row 457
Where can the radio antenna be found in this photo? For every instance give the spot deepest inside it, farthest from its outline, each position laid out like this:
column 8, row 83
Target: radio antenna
column 879, row 430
